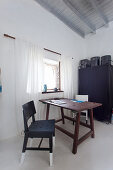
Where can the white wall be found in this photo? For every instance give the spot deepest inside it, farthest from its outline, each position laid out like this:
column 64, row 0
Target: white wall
column 101, row 43
column 26, row 20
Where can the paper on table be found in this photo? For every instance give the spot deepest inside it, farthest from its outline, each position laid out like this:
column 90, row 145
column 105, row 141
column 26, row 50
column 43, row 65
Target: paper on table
column 57, row 101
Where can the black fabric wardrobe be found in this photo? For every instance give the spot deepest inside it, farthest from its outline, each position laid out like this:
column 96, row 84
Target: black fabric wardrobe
column 97, row 82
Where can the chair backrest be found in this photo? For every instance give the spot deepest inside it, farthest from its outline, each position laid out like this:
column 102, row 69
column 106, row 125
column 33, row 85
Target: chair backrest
column 28, row 112
column 82, row 97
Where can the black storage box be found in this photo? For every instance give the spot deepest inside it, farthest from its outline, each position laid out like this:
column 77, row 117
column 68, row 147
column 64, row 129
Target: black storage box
column 84, row 63
column 95, row 61
column 106, row 60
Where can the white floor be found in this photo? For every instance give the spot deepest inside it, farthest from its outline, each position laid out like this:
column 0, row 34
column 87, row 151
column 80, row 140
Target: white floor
column 93, row 154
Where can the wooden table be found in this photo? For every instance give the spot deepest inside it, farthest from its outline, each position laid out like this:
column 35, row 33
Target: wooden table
column 78, row 107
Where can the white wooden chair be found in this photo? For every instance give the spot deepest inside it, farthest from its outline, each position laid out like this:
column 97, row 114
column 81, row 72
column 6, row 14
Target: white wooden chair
column 82, row 98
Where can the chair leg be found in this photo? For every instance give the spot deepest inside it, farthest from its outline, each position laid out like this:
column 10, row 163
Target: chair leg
column 22, row 158
column 24, row 149
column 51, row 150
column 51, row 158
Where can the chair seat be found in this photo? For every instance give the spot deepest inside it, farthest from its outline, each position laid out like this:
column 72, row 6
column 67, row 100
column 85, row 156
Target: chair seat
column 42, row 128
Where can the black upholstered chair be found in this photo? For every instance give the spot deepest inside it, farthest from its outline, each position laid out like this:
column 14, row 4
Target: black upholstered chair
column 37, row 129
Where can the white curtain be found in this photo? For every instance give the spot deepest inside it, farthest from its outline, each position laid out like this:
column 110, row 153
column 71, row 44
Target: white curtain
column 29, row 77
column 35, row 70
column 8, row 124
column 67, row 77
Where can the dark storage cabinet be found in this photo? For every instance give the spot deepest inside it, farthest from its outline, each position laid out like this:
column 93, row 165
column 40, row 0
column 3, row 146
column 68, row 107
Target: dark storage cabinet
column 97, row 82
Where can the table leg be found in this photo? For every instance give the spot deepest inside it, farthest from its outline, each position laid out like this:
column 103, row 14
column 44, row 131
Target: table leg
column 62, row 114
column 92, row 123
column 76, row 133
column 47, row 111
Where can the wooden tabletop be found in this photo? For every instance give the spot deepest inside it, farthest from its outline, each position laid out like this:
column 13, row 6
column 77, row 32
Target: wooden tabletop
column 72, row 105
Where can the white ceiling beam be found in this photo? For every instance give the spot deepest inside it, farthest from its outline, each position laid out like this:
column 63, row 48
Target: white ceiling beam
column 80, row 15
column 99, row 11
column 61, row 17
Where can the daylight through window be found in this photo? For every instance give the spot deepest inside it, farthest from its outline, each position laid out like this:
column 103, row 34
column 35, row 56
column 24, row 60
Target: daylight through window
column 52, row 74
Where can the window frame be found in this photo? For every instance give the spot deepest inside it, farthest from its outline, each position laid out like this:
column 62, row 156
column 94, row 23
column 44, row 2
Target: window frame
column 59, row 89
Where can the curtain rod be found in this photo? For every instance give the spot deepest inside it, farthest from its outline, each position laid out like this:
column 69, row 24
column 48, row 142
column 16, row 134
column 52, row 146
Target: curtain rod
column 6, row 35
column 52, row 51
